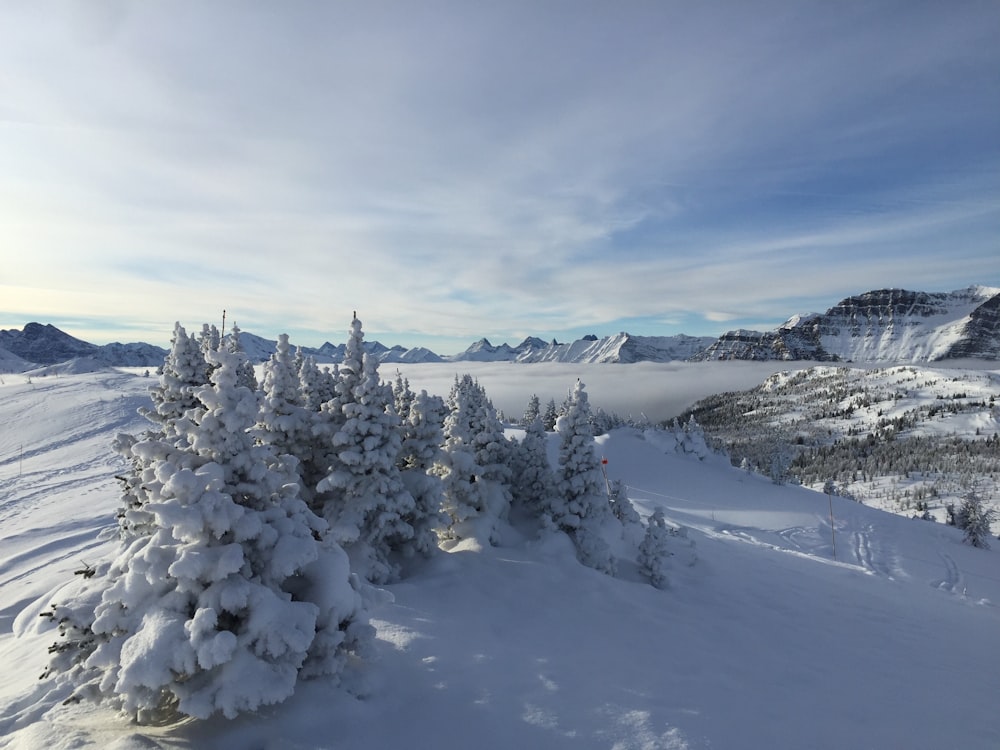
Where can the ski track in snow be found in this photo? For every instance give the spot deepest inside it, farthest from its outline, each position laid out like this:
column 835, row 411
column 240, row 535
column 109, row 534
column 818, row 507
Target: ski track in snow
column 953, row 580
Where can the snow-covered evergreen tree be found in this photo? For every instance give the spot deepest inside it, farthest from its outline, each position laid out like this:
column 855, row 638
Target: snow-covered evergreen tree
column 975, row 519
column 422, row 434
column 184, row 370
column 691, row 439
column 621, row 506
column 317, row 385
column 210, row 340
column 403, row 396
column 231, row 596
column 246, row 376
column 581, row 506
column 283, row 422
column 174, row 399
column 532, row 411
column 363, row 497
column 534, row 482
column 654, row 551
column 476, row 496
column 550, row 416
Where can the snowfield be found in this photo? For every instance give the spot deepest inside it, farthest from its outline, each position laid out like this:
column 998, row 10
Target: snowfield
column 777, row 629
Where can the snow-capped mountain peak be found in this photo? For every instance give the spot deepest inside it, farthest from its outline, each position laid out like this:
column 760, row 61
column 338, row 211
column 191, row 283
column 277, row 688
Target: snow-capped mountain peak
column 884, row 325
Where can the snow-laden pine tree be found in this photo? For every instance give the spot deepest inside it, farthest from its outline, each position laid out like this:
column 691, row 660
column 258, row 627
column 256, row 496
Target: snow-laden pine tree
column 550, row 415
column 476, row 496
column 247, row 376
column 654, row 551
column 534, row 482
column 283, row 422
column 581, row 506
column 231, row 596
column 210, row 340
column 493, row 449
column 691, row 439
column 403, row 396
column 532, row 411
column 363, row 497
column 621, row 506
column 175, row 404
column 317, row 386
column 975, row 520
column 422, row 433
column 184, row 369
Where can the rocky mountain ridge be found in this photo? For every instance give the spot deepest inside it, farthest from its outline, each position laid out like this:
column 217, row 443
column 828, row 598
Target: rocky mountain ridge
column 885, row 325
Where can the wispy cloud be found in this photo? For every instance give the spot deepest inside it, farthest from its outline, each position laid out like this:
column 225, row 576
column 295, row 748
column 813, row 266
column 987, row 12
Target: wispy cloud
column 456, row 170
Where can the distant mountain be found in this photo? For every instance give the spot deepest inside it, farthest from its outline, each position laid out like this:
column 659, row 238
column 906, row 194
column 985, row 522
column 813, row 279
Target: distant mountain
column 38, row 344
column 259, row 349
column 484, row 351
column 621, row 348
column 886, row 325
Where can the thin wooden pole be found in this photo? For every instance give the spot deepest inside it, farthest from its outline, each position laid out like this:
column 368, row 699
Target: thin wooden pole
column 833, row 531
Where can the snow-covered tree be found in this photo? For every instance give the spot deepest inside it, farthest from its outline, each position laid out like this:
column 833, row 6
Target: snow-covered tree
column 283, row 422
column 654, row 551
column 184, row 370
column 975, row 519
column 691, row 439
column 534, row 482
column 316, row 386
column 532, row 411
column 621, row 506
column 422, row 434
column 174, row 399
column 231, row 596
column 581, row 506
column 246, row 376
column 363, row 497
column 550, row 416
column 403, row 396
column 210, row 340
column 476, row 493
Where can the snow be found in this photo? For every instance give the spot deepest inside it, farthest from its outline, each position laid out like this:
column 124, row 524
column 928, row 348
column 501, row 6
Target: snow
column 763, row 638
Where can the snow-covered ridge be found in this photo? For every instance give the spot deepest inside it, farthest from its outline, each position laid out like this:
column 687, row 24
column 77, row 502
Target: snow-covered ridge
column 39, row 344
column 886, row 325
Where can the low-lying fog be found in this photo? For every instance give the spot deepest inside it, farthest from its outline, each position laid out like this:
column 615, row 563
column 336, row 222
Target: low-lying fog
column 658, row 390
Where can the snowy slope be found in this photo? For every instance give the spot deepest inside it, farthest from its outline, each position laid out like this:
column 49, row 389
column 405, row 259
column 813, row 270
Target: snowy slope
column 766, row 641
column 905, row 439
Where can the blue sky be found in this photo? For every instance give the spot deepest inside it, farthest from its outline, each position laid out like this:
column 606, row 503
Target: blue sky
column 453, row 170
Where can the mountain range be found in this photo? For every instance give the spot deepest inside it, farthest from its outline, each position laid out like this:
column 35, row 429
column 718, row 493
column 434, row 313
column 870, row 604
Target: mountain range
column 885, row 325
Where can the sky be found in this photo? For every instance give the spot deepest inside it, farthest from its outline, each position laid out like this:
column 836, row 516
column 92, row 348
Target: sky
column 454, row 170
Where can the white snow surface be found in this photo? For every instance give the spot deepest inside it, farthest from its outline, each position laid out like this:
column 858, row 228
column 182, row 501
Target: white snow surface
column 763, row 638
